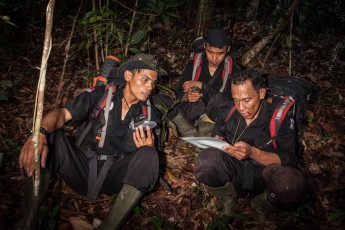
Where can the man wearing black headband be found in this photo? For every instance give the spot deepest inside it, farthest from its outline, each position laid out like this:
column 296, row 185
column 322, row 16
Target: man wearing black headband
column 127, row 163
column 207, row 74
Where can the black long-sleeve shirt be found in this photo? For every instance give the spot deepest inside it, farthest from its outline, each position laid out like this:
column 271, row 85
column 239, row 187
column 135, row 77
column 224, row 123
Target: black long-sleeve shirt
column 257, row 134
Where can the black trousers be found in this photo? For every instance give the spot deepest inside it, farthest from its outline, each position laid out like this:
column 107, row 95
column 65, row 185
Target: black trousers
column 139, row 168
column 215, row 168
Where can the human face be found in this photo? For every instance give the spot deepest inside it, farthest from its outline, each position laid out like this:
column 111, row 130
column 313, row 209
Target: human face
column 215, row 55
column 140, row 84
column 247, row 99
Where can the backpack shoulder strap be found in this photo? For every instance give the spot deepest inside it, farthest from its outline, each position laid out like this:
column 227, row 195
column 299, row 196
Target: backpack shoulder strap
column 227, row 70
column 196, row 66
column 109, row 89
column 106, row 114
column 147, row 109
column 278, row 116
column 232, row 110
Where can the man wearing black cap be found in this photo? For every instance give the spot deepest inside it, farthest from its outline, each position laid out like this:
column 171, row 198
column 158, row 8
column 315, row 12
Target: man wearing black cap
column 127, row 162
column 207, row 74
column 252, row 163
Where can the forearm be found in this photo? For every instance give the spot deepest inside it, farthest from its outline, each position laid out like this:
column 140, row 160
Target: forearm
column 264, row 157
column 55, row 120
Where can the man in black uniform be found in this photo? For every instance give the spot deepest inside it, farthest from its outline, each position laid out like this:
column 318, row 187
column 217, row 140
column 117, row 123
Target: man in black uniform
column 127, row 164
column 207, row 74
column 250, row 164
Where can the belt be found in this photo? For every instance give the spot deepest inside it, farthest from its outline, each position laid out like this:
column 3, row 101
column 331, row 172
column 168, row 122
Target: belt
column 104, row 157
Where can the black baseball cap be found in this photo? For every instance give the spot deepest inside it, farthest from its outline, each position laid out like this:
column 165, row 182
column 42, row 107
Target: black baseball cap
column 217, row 37
column 141, row 61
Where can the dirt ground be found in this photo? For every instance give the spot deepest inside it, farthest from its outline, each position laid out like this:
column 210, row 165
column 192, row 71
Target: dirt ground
column 187, row 205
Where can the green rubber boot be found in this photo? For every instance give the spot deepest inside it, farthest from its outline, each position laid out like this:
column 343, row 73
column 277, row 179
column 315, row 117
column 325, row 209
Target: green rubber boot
column 226, row 198
column 205, row 129
column 125, row 201
column 263, row 208
column 184, row 127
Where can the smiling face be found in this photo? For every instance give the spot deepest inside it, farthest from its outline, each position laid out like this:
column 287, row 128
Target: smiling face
column 139, row 84
column 215, row 55
column 247, row 99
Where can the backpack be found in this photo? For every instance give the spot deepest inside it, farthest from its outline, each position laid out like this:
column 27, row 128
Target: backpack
column 288, row 95
column 104, row 103
column 227, row 70
column 197, row 54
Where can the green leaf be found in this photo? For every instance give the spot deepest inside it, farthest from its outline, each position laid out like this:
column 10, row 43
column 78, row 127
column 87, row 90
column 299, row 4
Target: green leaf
column 160, row 107
column 158, row 221
column 242, row 216
column 138, row 37
column 171, row 4
column 45, row 209
column 51, row 223
column 134, row 50
column 161, row 6
column 3, row 97
column 167, row 91
column 173, row 15
column 335, row 216
column 137, row 210
column 55, row 210
column 166, row 19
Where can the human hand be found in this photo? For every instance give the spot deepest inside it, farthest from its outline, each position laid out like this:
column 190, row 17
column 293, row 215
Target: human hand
column 26, row 157
column 142, row 137
column 191, row 96
column 239, row 150
column 187, row 86
column 219, row 137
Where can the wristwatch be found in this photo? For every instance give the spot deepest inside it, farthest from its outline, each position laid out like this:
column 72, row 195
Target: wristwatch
column 42, row 130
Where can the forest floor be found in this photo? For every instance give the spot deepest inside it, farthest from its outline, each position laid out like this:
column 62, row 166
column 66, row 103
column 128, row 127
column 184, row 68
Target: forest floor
column 187, row 206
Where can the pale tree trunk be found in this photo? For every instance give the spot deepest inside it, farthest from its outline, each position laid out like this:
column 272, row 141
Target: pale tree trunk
column 251, row 10
column 282, row 22
column 67, row 48
column 34, row 194
column 204, row 17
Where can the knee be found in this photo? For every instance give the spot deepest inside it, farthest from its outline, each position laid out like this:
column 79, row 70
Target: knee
column 207, row 159
column 147, row 154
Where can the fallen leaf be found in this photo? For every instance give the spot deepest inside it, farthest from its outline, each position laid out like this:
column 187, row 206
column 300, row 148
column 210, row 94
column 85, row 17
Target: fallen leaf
column 79, row 224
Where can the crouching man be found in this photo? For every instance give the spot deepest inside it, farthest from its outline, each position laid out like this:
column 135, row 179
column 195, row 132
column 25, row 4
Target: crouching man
column 252, row 163
column 126, row 163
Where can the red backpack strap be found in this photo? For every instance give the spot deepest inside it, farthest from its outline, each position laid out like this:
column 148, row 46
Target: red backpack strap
column 147, row 110
column 197, row 60
column 227, row 70
column 101, row 104
column 232, row 110
column 278, row 116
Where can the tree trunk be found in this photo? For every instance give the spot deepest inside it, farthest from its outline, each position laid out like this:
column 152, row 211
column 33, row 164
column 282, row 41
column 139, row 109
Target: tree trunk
column 251, row 10
column 204, row 17
column 95, row 39
column 282, row 22
column 67, row 48
column 33, row 194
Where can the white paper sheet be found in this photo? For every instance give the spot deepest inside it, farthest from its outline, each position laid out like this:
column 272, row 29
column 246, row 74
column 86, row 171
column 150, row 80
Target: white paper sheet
column 206, row 142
